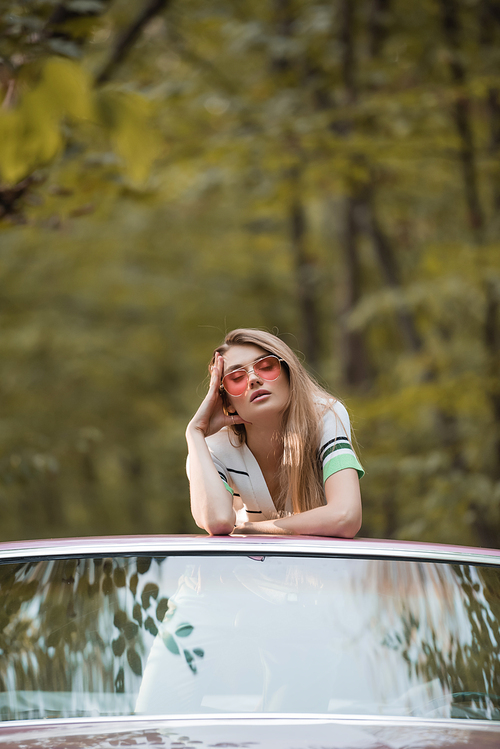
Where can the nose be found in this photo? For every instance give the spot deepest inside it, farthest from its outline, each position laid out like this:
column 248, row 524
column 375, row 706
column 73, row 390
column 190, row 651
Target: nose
column 253, row 377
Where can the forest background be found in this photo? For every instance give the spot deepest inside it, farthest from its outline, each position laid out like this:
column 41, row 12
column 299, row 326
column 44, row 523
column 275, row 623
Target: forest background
column 172, row 169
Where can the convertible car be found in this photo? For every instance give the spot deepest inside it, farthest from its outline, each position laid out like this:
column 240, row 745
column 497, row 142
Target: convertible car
column 259, row 642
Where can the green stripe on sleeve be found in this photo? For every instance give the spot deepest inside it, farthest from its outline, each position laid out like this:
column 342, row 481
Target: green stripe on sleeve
column 344, row 445
column 231, row 491
column 339, row 462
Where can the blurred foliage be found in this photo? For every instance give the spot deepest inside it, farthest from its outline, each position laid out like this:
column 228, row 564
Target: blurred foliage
column 427, row 633
column 80, row 624
column 204, row 182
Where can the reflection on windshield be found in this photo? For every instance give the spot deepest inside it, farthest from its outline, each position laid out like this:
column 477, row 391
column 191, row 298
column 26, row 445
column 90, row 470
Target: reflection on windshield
column 184, row 635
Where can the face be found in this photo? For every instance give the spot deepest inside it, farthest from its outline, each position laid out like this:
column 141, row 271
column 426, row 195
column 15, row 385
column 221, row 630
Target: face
column 260, row 396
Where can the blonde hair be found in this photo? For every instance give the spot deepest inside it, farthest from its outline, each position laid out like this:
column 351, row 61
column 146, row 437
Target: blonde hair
column 300, row 472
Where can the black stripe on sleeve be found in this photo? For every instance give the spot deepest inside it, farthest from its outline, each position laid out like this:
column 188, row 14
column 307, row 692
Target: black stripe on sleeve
column 330, row 442
column 224, row 478
column 233, row 470
column 254, row 512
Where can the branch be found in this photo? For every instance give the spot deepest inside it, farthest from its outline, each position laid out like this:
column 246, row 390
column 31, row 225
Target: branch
column 129, row 37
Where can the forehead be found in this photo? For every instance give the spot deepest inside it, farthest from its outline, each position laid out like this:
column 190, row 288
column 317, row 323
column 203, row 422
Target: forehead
column 241, row 355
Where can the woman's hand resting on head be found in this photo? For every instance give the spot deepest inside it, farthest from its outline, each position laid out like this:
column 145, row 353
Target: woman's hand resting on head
column 211, row 502
column 210, row 417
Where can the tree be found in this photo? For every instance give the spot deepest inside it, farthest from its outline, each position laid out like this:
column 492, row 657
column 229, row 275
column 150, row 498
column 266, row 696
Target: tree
column 327, row 169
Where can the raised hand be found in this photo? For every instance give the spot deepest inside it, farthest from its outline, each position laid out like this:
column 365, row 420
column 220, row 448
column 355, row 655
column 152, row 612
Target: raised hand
column 210, row 416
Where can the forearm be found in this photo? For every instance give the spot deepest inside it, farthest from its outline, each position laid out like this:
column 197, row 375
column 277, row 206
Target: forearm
column 211, row 503
column 321, row 521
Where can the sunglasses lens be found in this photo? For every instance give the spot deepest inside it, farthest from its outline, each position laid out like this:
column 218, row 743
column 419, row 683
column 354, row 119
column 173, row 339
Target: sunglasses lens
column 235, row 383
column 268, row 368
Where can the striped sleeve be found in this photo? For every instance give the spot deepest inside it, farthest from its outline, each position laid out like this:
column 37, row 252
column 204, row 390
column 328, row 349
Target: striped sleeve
column 336, row 452
column 221, row 470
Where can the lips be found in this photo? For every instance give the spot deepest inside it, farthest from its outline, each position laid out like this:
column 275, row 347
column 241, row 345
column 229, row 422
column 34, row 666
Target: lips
column 258, row 393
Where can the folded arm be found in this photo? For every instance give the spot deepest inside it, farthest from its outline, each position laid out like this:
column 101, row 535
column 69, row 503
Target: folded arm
column 340, row 517
column 211, row 503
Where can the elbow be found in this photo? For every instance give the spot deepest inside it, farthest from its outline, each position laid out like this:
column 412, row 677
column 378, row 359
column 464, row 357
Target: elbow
column 219, row 528
column 350, row 527
column 216, row 518
column 220, row 524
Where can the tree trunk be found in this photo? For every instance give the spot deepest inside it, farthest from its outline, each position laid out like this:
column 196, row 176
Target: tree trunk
column 348, row 58
column 356, row 367
column 450, row 24
column 494, row 112
column 492, row 342
column 386, row 257
column 364, row 193
column 489, row 25
column 304, row 264
column 378, row 25
column 355, row 359
column 305, row 274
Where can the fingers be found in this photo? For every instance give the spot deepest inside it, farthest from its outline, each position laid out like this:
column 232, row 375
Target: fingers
column 216, row 371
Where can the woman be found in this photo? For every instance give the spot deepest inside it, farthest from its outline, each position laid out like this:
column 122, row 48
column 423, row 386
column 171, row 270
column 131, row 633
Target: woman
column 269, row 450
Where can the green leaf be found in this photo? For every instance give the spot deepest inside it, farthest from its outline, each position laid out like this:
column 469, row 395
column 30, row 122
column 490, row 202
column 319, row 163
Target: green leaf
column 151, row 590
column 137, row 613
column 184, row 630
column 143, row 564
column 118, row 646
column 170, row 643
column 119, row 577
column 199, row 652
column 120, row 619
column 107, row 586
column 130, row 630
column 161, row 609
column 133, row 583
column 150, row 626
column 190, row 661
column 134, row 661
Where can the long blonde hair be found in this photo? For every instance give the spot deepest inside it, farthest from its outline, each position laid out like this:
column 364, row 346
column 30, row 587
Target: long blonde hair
column 300, row 472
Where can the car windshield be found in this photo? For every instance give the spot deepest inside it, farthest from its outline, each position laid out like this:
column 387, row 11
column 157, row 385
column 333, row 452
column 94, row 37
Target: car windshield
column 229, row 633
